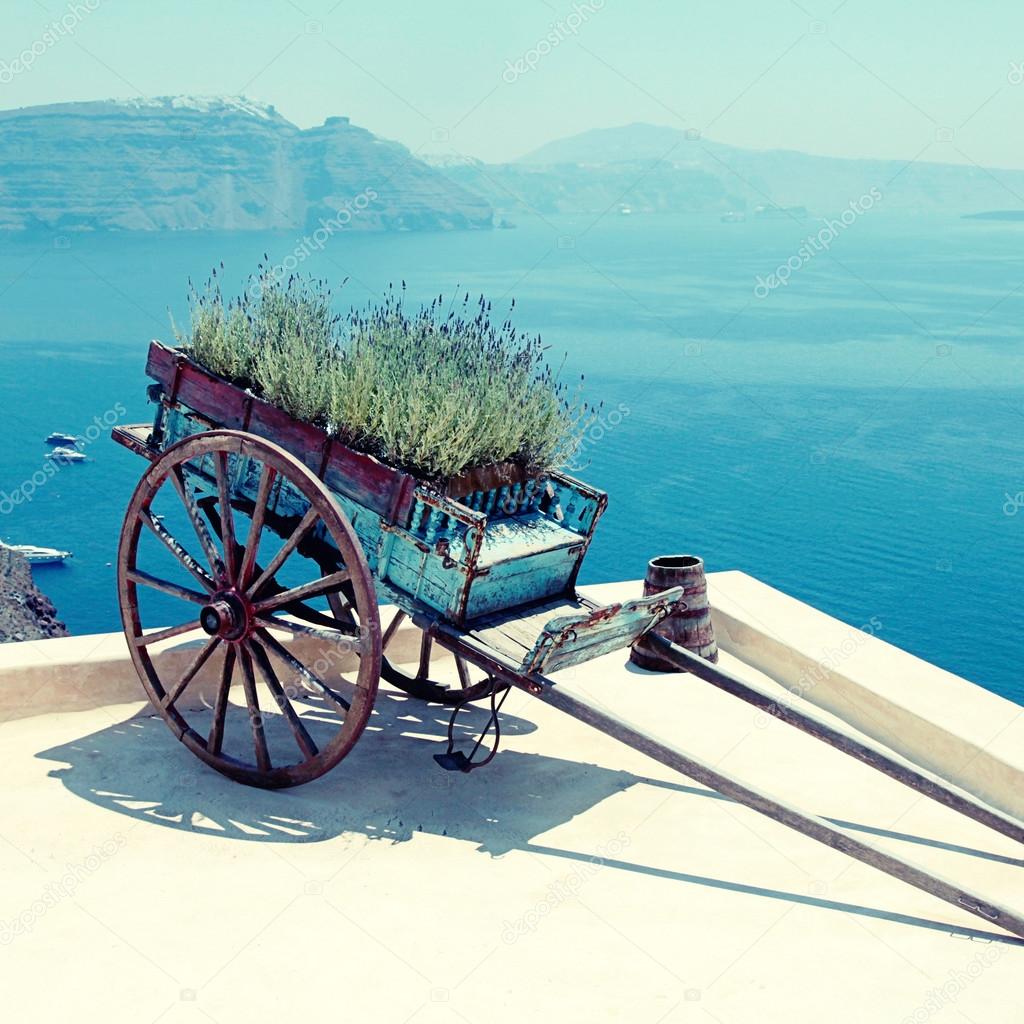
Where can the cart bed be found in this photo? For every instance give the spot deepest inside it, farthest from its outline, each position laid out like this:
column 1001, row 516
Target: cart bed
column 480, row 545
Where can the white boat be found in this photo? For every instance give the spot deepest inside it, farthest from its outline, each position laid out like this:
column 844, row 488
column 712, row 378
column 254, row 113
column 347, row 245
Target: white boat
column 57, row 437
column 40, row 556
column 61, row 454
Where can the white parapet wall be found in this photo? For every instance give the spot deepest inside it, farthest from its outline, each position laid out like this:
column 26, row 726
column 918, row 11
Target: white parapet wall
column 940, row 721
column 79, row 673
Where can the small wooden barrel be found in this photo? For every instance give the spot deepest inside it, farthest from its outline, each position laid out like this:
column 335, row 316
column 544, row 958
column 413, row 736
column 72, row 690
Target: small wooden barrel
column 690, row 625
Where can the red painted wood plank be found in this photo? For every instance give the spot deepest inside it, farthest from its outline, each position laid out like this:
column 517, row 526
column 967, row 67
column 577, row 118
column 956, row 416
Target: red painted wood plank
column 360, row 477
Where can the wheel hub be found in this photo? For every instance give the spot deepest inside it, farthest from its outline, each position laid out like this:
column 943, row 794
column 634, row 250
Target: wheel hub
column 226, row 616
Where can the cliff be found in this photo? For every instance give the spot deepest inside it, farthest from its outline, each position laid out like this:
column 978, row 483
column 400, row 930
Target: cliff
column 191, row 164
column 25, row 612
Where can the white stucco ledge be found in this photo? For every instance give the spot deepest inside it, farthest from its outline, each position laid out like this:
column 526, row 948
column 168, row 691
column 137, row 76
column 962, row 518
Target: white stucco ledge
column 936, row 719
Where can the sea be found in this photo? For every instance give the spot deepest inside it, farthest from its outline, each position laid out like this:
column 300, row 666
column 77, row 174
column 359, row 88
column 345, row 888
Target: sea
column 843, row 423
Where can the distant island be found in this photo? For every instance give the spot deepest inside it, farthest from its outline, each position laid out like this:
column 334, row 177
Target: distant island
column 996, row 215
column 228, row 164
column 652, row 169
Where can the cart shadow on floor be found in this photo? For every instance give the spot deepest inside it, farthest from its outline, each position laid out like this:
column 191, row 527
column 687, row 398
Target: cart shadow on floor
column 389, row 788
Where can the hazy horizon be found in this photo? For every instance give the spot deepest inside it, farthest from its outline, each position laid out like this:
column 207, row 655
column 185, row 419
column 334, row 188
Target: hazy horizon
column 517, row 156
column 855, row 80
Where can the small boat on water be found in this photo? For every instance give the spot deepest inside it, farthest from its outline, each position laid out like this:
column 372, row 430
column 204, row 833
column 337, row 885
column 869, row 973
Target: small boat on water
column 62, row 439
column 61, row 454
column 40, row 556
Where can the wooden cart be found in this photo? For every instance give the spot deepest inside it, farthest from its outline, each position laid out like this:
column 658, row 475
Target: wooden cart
column 485, row 568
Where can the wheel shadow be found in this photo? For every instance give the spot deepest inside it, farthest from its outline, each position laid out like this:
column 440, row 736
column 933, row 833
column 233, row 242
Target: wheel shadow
column 389, row 788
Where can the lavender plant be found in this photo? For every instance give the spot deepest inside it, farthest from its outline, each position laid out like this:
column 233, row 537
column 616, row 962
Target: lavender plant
column 433, row 392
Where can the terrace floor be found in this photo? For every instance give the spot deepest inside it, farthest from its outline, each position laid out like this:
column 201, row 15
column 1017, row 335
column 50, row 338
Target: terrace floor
column 571, row 880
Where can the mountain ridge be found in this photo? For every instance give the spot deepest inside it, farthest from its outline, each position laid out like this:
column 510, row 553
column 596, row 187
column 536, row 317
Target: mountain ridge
column 213, row 163
column 660, row 169
column 665, row 132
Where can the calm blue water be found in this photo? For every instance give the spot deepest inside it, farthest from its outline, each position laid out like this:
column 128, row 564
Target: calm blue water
column 851, row 438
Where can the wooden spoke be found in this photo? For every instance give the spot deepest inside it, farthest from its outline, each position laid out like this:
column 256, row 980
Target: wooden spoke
column 166, row 634
column 426, row 646
column 341, row 606
column 205, row 540
column 177, row 549
column 296, row 608
column 267, row 476
column 316, row 588
column 304, row 673
column 463, row 670
column 302, row 737
column 342, row 635
column 220, row 707
column 295, row 538
column 392, row 629
column 259, row 738
column 344, row 613
column 197, row 663
column 309, row 614
column 227, row 519
column 165, row 586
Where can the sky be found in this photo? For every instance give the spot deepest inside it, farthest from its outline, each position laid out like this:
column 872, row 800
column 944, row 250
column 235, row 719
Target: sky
column 938, row 80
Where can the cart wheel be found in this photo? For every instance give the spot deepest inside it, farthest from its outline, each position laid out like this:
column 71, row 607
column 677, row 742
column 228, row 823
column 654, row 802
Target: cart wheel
column 458, row 690
column 235, row 605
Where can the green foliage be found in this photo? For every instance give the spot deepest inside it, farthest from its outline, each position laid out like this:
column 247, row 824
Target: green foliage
column 435, row 392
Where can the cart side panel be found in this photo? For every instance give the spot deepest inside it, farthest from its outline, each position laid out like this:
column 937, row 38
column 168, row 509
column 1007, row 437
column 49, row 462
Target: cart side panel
column 522, row 580
column 183, row 381
column 428, row 565
column 577, row 506
column 367, row 525
column 465, row 564
column 434, row 559
column 429, row 579
column 537, row 555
